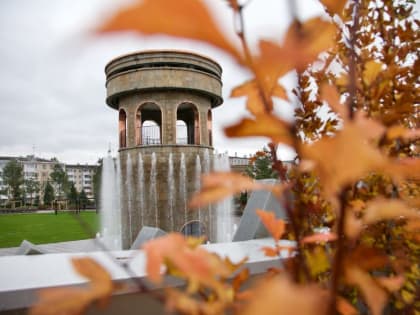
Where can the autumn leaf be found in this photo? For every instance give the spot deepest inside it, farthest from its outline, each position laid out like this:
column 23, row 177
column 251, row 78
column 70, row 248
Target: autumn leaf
column 280, row 295
column 368, row 258
column 195, row 264
column 100, row 279
column 331, row 95
column 304, row 42
column 371, row 71
column 386, row 209
column 398, row 131
column 181, row 18
column 393, row 283
column 334, row 6
column 255, row 103
column 262, row 126
column 233, row 4
column 156, row 250
column 319, row 238
column 71, row 301
column 375, row 297
column 275, row 227
column 342, row 159
column 270, row 251
column 240, row 278
column 345, row 308
column 219, row 185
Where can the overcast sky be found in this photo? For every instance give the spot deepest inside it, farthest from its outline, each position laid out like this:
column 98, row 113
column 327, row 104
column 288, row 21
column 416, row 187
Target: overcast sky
column 52, row 81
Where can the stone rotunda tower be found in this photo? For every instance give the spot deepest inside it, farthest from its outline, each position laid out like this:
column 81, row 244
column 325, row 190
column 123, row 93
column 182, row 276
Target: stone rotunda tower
column 164, row 101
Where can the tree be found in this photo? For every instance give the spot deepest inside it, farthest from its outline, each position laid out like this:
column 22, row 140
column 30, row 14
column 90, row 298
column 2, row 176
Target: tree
column 48, row 194
column 60, row 180
column 31, row 188
column 13, row 178
column 357, row 170
column 73, row 195
column 84, row 201
column 260, row 165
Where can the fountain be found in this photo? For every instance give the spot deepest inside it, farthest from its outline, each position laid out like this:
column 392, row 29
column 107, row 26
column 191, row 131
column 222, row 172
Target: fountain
column 224, row 224
column 182, row 187
column 171, row 191
column 141, row 186
column 129, row 192
column 153, row 192
column 156, row 93
column 110, row 218
column 197, row 180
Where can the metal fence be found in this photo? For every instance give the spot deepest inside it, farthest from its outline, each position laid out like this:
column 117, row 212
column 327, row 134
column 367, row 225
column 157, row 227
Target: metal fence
column 151, row 135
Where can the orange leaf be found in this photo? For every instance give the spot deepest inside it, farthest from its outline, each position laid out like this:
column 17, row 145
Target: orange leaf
column 240, row 278
column 270, row 251
column 233, row 4
column 101, row 282
column 331, row 95
column 269, row 66
column 263, row 126
column 304, row 42
column 334, row 6
column 219, row 185
column 255, row 104
column 281, row 296
column 319, row 237
column 369, row 258
column 371, row 71
column 399, row 131
column 386, row 209
column 181, row 18
column 275, row 227
column 357, row 157
column 76, row 300
column 375, row 297
column 392, row 284
column 345, row 308
column 196, row 264
column 157, row 249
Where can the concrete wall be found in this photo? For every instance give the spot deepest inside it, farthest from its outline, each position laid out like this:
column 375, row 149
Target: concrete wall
column 130, row 203
column 22, row 276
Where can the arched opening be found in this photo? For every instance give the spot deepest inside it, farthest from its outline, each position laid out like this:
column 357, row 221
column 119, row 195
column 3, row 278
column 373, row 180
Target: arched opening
column 209, row 127
column 188, row 113
column 181, row 132
column 150, row 132
column 193, row 228
column 148, row 124
column 122, row 126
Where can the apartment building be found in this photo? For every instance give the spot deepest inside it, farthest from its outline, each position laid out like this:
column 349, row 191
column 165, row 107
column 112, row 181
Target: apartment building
column 82, row 177
column 39, row 170
column 238, row 164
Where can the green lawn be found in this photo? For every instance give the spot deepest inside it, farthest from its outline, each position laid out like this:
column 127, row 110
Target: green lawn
column 44, row 228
